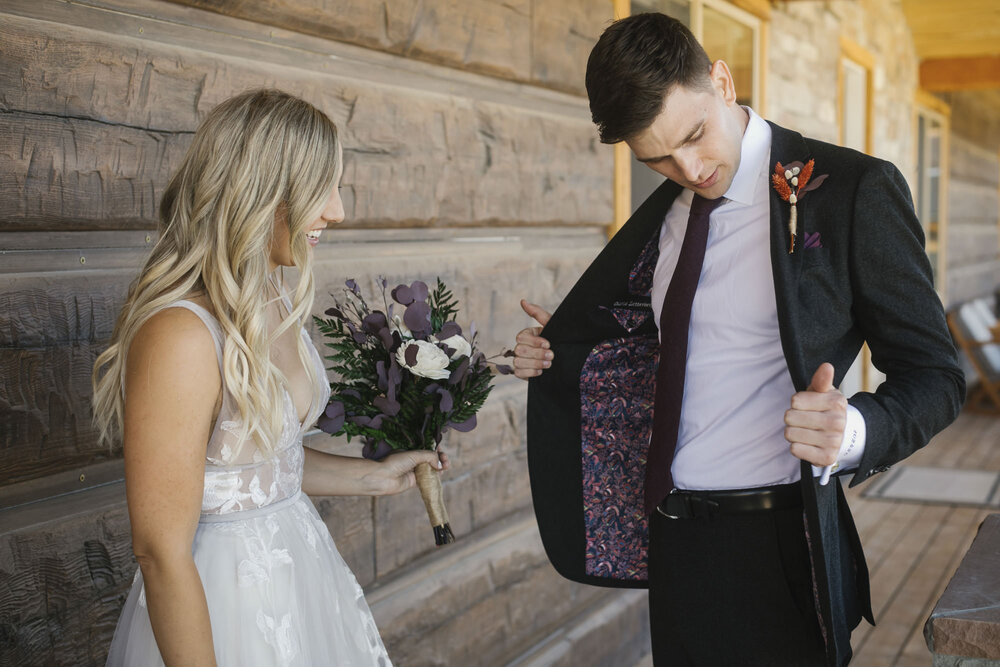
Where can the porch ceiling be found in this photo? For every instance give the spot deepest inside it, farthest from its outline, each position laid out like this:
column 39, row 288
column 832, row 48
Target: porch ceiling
column 958, row 42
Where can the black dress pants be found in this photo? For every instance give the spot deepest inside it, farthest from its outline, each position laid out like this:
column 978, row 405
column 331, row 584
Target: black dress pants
column 733, row 590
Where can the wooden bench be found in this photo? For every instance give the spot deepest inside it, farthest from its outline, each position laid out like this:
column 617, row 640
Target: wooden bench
column 977, row 332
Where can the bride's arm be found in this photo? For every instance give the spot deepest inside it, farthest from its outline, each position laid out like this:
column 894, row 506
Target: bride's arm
column 332, row 475
column 172, row 382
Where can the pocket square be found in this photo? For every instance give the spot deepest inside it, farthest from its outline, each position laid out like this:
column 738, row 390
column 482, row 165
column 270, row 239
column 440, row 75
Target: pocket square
column 812, row 241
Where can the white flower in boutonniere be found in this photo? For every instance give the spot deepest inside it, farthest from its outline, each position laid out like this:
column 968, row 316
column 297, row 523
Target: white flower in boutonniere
column 792, row 182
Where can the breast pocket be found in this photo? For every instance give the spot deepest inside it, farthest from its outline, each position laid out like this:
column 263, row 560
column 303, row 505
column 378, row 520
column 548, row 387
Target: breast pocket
column 824, row 297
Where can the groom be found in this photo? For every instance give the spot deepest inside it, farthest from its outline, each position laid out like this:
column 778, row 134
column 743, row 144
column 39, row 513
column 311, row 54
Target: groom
column 683, row 419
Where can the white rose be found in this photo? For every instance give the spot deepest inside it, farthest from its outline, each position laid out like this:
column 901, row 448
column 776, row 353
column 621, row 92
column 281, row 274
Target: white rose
column 460, row 346
column 432, row 362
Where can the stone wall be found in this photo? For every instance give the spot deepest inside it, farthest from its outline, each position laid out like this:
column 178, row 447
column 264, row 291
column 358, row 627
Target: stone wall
column 803, row 64
column 803, row 57
column 973, row 197
column 469, row 155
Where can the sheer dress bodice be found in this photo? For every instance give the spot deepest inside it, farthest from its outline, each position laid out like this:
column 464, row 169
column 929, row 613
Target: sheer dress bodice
column 238, row 477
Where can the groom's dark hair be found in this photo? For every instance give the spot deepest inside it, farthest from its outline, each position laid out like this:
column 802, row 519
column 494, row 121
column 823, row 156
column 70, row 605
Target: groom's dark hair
column 634, row 65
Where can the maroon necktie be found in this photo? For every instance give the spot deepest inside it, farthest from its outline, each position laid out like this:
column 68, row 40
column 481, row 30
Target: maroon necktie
column 675, row 319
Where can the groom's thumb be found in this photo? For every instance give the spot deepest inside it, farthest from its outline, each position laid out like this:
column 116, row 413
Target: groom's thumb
column 822, row 379
column 537, row 312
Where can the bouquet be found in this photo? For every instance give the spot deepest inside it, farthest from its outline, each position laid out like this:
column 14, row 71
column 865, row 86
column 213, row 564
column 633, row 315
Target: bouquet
column 406, row 375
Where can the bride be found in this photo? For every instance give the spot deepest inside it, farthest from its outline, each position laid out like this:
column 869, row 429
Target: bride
column 211, row 381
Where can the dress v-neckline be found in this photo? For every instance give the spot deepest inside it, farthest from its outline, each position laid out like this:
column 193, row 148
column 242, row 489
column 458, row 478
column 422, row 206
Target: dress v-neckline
column 301, row 332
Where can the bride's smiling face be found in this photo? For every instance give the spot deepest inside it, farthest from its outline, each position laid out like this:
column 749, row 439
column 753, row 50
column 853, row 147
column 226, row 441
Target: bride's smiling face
column 281, row 246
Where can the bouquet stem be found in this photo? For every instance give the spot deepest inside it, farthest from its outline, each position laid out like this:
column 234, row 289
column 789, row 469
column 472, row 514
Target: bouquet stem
column 429, row 484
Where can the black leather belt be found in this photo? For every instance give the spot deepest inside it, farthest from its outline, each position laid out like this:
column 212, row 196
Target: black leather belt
column 681, row 504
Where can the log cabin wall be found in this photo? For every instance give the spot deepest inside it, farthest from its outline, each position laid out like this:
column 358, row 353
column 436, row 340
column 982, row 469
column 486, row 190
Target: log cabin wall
column 469, row 155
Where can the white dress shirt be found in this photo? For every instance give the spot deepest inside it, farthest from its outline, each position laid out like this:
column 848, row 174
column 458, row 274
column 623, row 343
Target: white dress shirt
column 737, row 386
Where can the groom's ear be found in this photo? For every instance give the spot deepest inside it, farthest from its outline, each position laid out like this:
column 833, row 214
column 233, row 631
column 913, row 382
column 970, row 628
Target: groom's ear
column 722, row 81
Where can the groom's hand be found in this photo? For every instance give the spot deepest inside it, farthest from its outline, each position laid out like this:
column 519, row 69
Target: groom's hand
column 815, row 423
column 532, row 354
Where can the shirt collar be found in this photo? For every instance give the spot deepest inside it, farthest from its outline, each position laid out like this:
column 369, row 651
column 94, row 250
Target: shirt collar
column 754, row 153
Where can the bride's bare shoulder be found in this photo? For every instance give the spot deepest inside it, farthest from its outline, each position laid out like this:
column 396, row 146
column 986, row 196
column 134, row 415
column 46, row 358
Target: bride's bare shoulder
column 174, row 344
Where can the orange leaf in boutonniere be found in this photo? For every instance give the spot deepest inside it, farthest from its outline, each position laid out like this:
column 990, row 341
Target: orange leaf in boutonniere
column 792, row 182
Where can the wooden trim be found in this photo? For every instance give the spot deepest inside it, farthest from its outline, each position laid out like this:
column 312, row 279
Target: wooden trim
column 622, row 187
column 925, row 99
column 947, row 74
column 858, row 54
column 622, row 177
column 759, row 8
column 762, row 79
column 698, row 20
column 933, row 108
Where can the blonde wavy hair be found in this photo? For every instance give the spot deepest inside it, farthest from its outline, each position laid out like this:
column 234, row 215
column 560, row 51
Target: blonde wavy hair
column 257, row 155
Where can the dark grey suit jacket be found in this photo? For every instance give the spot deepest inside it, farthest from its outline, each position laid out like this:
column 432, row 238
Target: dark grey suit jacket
column 867, row 279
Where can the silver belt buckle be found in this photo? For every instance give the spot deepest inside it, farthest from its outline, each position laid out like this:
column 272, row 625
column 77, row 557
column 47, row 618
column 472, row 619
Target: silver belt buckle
column 669, row 516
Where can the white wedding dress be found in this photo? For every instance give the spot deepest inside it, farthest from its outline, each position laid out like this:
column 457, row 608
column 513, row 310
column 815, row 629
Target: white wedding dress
column 278, row 591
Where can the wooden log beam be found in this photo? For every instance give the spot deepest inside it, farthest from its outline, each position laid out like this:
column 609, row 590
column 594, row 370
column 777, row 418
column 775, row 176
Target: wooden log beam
column 126, row 115
column 950, row 74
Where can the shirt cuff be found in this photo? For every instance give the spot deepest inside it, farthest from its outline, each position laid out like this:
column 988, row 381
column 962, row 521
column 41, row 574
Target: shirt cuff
column 852, row 447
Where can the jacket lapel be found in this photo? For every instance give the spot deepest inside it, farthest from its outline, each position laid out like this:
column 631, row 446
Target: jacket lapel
column 786, row 146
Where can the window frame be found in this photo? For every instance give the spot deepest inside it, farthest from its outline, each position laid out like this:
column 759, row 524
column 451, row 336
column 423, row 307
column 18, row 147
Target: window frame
column 933, row 108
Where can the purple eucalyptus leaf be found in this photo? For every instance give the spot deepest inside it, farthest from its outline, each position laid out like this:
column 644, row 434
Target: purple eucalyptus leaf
column 353, row 286
column 447, row 401
column 417, row 316
column 330, row 425
column 353, row 393
column 374, row 321
column 508, row 353
column 370, row 422
column 504, row 369
column 383, row 380
column 419, row 290
column 793, row 165
column 472, row 331
column 335, row 312
column 411, row 355
column 466, row 426
column 386, row 405
column 375, row 451
column 395, row 374
column 334, row 409
column 448, row 330
column 388, row 341
column 459, row 372
column 402, row 294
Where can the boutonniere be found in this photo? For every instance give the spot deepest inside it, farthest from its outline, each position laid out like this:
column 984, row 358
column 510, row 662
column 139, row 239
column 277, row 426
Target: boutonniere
column 792, row 182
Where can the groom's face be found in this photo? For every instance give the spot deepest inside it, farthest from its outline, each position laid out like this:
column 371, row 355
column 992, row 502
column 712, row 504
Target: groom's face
column 696, row 139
